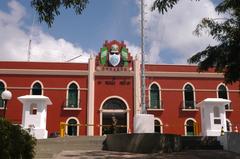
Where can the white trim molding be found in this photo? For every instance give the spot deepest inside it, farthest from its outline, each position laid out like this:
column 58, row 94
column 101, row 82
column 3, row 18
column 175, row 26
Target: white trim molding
column 43, row 72
column 184, row 74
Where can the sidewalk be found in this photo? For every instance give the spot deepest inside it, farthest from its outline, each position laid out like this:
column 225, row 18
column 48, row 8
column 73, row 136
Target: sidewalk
column 191, row 154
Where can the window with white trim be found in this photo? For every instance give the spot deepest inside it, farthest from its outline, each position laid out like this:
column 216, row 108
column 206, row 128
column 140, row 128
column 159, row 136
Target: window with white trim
column 157, row 126
column 223, row 93
column 72, row 127
column 154, row 97
column 37, row 89
column 190, row 128
column 189, row 102
column 72, row 96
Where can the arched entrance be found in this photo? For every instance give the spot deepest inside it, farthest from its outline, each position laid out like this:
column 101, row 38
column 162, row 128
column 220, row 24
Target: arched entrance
column 190, row 127
column 114, row 116
column 72, row 129
column 158, row 125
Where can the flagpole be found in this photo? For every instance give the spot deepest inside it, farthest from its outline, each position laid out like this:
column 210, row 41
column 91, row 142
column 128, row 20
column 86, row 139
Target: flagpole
column 143, row 102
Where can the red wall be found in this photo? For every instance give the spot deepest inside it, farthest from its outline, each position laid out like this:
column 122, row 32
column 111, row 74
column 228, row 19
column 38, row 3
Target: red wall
column 104, row 90
column 173, row 117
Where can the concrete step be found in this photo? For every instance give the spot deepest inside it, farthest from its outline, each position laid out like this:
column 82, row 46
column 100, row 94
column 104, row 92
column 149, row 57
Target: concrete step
column 47, row 148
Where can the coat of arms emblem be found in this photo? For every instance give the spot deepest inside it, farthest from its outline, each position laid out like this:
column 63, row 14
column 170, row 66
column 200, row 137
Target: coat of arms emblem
column 114, row 56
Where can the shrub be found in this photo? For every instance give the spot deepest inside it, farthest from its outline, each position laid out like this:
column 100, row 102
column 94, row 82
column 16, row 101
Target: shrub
column 15, row 142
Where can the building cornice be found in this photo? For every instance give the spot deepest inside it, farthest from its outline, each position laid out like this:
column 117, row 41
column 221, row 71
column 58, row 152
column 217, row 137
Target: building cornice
column 43, row 72
column 184, row 74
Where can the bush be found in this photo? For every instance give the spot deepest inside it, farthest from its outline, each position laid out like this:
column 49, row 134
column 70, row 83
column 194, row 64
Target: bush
column 15, row 142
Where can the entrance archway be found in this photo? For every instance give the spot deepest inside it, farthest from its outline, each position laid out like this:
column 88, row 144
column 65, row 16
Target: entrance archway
column 114, row 116
column 190, row 127
column 72, row 129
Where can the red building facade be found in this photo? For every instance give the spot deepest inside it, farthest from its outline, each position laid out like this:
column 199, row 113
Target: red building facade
column 108, row 85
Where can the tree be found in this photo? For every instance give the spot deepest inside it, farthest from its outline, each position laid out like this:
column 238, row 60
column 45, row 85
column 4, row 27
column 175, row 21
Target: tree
column 225, row 56
column 48, row 9
column 15, row 142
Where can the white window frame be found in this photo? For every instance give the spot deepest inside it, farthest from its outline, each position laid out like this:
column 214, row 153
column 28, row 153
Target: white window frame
column 161, row 124
column 229, row 107
column 160, row 97
column 42, row 87
column 78, row 127
column 78, row 101
column 194, row 97
column 185, row 124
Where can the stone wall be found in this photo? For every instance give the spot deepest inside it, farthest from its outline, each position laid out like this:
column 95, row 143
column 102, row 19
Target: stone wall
column 230, row 141
column 142, row 143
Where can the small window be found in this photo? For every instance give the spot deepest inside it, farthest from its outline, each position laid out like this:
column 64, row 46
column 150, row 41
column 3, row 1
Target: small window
column 37, row 89
column 2, row 88
column 33, row 109
column 154, row 97
column 189, row 102
column 223, row 93
column 157, row 126
column 190, row 128
column 72, row 127
column 72, row 101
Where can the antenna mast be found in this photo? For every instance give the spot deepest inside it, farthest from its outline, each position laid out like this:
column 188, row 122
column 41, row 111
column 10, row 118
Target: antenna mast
column 143, row 99
column 30, row 39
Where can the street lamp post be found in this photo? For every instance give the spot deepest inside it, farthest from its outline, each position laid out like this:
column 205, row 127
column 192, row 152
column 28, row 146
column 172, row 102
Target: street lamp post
column 6, row 96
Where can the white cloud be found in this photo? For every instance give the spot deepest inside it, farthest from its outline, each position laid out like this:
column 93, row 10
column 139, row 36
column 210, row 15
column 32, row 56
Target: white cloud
column 173, row 31
column 14, row 40
column 133, row 49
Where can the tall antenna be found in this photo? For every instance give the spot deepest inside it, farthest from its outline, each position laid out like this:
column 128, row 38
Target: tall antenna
column 30, row 39
column 143, row 100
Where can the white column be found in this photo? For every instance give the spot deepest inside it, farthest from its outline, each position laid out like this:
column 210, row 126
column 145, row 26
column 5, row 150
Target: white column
column 137, row 86
column 90, row 106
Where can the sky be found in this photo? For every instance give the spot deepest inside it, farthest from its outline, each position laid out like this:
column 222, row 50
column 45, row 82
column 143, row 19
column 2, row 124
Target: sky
column 168, row 38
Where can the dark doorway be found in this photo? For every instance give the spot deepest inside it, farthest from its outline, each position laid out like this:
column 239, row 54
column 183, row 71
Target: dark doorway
column 72, row 127
column 114, row 110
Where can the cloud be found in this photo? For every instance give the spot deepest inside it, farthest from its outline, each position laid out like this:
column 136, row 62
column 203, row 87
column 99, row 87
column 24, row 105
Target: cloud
column 14, row 40
column 169, row 37
column 133, row 49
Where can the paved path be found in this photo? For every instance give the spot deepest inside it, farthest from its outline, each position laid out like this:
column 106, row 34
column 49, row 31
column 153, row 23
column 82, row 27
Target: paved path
column 191, row 154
